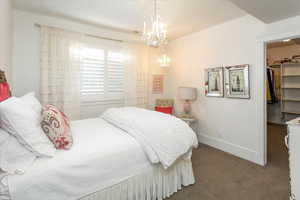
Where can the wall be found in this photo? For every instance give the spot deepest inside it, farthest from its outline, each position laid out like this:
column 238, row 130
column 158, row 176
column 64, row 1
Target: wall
column 228, row 124
column 232, row 125
column 286, row 26
column 6, row 28
column 156, row 69
column 279, row 53
column 26, row 46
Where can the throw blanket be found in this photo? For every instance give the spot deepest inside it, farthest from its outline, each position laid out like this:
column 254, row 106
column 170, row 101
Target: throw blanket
column 163, row 137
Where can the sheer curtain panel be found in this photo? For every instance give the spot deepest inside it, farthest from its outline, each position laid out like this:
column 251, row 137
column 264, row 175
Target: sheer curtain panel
column 85, row 75
column 136, row 58
column 60, row 70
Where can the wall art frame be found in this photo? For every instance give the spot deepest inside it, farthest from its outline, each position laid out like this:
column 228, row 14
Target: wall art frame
column 237, row 81
column 214, row 83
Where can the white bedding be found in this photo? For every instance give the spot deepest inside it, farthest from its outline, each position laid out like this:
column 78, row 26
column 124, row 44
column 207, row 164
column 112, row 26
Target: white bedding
column 102, row 155
column 163, row 137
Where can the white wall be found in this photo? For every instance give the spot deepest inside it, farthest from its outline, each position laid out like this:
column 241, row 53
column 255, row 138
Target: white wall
column 6, row 28
column 26, row 66
column 228, row 124
column 233, row 125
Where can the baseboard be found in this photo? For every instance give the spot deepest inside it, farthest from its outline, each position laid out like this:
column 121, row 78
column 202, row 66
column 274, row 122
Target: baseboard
column 231, row 148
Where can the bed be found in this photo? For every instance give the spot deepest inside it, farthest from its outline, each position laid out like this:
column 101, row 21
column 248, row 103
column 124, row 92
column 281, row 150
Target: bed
column 105, row 162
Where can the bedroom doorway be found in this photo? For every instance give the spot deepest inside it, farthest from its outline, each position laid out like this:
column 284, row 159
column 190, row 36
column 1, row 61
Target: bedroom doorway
column 281, row 95
column 283, row 80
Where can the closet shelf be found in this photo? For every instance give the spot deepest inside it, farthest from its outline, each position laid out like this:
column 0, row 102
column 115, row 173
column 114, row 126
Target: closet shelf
column 290, row 88
column 291, row 112
column 291, row 99
column 290, row 84
column 290, row 65
column 292, row 75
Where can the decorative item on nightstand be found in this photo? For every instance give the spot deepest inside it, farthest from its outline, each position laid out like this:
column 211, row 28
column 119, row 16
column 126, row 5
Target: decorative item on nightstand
column 190, row 120
column 164, row 106
column 4, row 87
column 187, row 94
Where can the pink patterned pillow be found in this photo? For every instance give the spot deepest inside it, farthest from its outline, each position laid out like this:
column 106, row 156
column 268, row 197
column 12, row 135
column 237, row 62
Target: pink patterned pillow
column 56, row 126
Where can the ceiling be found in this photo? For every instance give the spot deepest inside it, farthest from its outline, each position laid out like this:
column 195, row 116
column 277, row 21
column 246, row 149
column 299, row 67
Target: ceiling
column 181, row 16
column 270, row 11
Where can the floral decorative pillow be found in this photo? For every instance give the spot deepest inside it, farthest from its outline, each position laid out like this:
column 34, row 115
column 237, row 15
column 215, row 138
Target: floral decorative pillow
column 56, row 126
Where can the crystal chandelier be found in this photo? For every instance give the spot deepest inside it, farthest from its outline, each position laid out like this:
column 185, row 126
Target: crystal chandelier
column 157, row 33
column 164, row 60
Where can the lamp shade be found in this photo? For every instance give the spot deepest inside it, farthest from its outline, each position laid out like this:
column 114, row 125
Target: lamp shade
column 187, row 93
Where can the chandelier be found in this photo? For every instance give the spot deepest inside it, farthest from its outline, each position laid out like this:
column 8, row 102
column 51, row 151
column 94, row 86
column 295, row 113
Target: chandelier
column 164, row 60
column 155, row 34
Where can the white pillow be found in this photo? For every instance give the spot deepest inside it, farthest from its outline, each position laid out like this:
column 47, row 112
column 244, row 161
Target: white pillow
column 30, row 99
column 14, row 157
column 19, row 119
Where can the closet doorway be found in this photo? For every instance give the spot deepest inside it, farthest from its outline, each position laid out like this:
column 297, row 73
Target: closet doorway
column 283, row 97
column 283, row 81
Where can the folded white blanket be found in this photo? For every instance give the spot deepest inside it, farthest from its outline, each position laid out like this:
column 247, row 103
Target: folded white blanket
column 163, row 137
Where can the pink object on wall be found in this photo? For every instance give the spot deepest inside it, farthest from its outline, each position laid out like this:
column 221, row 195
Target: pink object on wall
column 158, row 84
column 4, row 91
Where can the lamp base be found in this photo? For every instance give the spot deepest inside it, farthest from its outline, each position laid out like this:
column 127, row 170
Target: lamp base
column 186, row 109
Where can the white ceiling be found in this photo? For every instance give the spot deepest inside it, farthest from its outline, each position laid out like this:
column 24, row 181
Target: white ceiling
column 270, row 10
column 181, row 16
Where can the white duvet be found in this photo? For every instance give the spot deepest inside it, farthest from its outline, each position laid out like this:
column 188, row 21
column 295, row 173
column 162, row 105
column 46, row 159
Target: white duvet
column 163, row 137
column 102, row 155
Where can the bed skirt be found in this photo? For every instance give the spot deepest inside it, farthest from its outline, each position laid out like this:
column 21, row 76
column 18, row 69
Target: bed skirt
column 154, row 184
column 4, row 192
column 157, row 183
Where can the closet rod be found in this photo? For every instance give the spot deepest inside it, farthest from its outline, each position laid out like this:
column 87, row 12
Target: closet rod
column 89, row 35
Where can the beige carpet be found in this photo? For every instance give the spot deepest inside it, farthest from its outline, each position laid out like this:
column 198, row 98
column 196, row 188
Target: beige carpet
column 220, row 176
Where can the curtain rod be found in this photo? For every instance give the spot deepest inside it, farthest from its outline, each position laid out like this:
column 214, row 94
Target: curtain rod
column 94, row 36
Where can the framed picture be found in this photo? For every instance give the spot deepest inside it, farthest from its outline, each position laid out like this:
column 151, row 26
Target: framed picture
column 237, row 81
column 157, row 84
column 214, row 82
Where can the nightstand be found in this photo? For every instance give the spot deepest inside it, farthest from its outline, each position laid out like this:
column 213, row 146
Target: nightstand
column 189, row 121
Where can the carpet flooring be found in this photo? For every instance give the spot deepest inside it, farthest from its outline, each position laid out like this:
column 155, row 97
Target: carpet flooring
column 221, row 176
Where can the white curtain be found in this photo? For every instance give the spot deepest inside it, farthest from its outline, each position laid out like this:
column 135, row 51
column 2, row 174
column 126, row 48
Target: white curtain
column 62, row 56
column 60, row 70
column 136, row 63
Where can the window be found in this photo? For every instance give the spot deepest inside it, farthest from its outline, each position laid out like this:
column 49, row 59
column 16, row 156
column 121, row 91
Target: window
column 102, row 74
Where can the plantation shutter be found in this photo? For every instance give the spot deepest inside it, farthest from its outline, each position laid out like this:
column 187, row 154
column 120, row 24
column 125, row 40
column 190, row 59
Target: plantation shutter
column 115, row 73
column 102, row 77
column 93, row 72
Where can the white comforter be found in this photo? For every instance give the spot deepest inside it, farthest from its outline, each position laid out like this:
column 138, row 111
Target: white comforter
column 102, row 155
column 163, row 137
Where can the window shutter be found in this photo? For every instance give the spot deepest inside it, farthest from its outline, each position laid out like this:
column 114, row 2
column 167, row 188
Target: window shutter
column 115, row 73
column 93, row 72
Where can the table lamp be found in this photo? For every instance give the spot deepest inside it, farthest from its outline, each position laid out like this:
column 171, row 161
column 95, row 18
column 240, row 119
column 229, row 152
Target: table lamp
column 187, row 94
